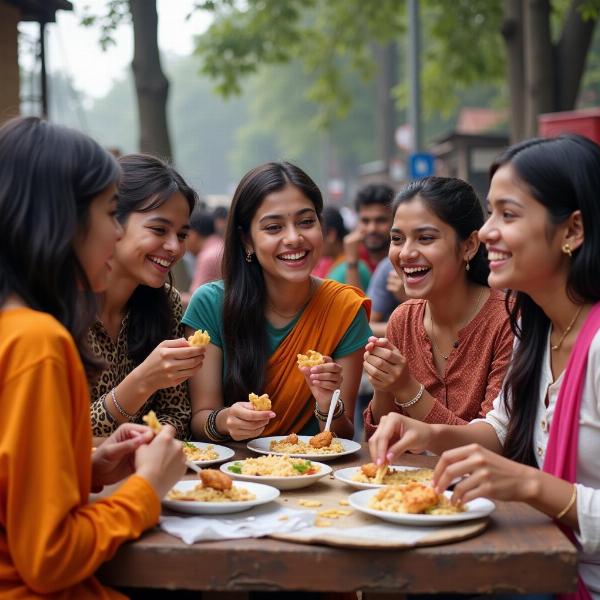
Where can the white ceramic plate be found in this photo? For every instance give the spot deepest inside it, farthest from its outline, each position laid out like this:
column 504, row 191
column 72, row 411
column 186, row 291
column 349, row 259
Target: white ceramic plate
column 261, row 445
column 476, row 509
column 345, row 475
column 224, row 454
column 281, row 483
column 263, row 493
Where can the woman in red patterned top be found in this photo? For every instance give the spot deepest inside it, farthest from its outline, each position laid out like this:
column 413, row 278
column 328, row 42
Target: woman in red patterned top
column 447, row 346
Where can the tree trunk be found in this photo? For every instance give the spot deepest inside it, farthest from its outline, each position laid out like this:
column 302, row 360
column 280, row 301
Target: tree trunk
column 571, row 53
column 152, row 87
column 512, row 32
column 539, row 58
column 385, row 113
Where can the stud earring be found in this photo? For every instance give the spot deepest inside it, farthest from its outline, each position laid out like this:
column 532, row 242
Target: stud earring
column 248, row 256
column 567, row 250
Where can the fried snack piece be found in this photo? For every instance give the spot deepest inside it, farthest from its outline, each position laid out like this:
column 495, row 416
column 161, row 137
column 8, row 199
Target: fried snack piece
column 311, row 359
column 370, row 469
column 215, row 479
column 260, row 402
column 321, row 440
column 152, row 422
column 200, row 338
column 412, row 498
column 291, row 439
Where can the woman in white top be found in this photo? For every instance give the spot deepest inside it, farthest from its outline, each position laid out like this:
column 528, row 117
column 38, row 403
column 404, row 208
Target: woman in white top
column 543, row 199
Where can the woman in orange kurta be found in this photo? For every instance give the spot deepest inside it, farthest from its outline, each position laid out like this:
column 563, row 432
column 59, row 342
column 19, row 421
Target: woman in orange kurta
column 268, row 310
column 57, row 201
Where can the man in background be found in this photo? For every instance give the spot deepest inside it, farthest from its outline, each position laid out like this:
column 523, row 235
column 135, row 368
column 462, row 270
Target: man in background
column 207, row 246
column 370, row 240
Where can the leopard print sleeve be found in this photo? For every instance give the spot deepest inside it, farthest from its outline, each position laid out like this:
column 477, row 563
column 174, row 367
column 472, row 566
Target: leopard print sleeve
column 173, row 405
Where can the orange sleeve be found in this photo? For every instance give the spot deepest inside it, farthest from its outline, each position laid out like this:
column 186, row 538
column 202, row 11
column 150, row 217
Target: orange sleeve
column 56, row 539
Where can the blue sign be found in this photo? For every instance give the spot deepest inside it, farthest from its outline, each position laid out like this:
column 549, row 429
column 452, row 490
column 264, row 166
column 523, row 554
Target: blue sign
column 420, row 165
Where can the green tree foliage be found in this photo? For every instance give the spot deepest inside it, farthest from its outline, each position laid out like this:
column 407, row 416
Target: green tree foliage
column 461, row 39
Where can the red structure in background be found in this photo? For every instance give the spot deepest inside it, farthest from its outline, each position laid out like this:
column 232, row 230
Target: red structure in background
column 584, row 122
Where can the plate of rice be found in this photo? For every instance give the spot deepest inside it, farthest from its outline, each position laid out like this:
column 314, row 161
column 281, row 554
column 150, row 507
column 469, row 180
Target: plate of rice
column 365, row 476
column 190, row 496
column 299, row 446
column 206, row 454
column 282, row 472
column 417, row 504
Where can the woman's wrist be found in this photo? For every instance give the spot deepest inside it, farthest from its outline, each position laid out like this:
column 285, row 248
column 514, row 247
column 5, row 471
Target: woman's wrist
column 221, row 421
column 408, row 391
column 531, row 485
column 140, row 383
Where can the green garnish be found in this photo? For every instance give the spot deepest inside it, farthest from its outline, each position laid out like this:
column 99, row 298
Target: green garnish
column 302, row 467
column 235, row 468
column 189, row 445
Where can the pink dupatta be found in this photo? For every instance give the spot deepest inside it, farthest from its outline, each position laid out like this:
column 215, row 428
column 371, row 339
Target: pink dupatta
column 561, row 454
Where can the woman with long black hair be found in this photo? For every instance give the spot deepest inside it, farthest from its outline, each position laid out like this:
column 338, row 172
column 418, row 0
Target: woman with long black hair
column 268, row 310
column 138, row 332
column 57, row 234
column 540, row 443
column 447, row 347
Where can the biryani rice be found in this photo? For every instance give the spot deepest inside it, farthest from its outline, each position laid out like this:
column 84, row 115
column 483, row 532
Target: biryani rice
column 274, row 466
column 207, row 494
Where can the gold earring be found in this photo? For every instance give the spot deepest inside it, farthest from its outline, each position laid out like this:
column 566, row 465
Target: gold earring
column 567, row 250
column 467, row 266
column 248, row 256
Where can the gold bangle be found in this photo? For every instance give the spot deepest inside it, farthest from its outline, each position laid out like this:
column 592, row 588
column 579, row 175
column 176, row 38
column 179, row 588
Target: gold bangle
column 567, row 508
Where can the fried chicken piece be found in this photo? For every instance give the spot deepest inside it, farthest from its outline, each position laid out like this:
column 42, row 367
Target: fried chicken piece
column 369, row 470
column 321, row 440
column 215, row 479
column 291, row 439
column 260, row 402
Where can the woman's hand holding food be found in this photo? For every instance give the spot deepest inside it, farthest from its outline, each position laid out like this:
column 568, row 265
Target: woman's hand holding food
column 387, row 369
column 242, row 422
column 114, row 458
column 161, row 462
column 397, row 434
column 323, row 380
column 172, row 362
column 484, row 474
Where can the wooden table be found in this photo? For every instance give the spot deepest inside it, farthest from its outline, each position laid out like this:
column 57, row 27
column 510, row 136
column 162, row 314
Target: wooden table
column 521, row 551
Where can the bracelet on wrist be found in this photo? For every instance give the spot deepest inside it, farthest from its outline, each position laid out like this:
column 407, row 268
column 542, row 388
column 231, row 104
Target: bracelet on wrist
column 352, row 264
column 337, row 413
column 567, row 508
column 210, row 427
column 121, row 410
column 413, row 400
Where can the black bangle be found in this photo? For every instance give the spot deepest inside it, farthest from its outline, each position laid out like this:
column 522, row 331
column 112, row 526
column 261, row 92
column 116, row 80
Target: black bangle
column 210, row 427
column 352, row 265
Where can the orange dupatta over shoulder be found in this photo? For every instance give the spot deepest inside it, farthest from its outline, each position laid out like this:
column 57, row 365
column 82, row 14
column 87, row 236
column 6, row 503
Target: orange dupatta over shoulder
column 321, row 327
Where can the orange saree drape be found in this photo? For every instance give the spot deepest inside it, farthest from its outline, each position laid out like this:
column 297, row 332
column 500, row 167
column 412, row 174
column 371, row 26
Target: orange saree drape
column 321, row 327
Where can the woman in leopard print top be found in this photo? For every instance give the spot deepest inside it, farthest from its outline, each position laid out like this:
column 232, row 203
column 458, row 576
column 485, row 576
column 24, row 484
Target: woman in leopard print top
column 138, row 334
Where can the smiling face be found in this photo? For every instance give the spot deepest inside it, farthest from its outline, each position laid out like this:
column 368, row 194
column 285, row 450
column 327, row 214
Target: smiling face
column 153, row 242
column 524, row 250
column 286, row 236
column 374, row 221
column 94, row 245
column 425, row 251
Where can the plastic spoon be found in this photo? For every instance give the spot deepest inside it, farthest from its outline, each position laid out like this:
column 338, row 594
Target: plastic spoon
column 332, row 405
